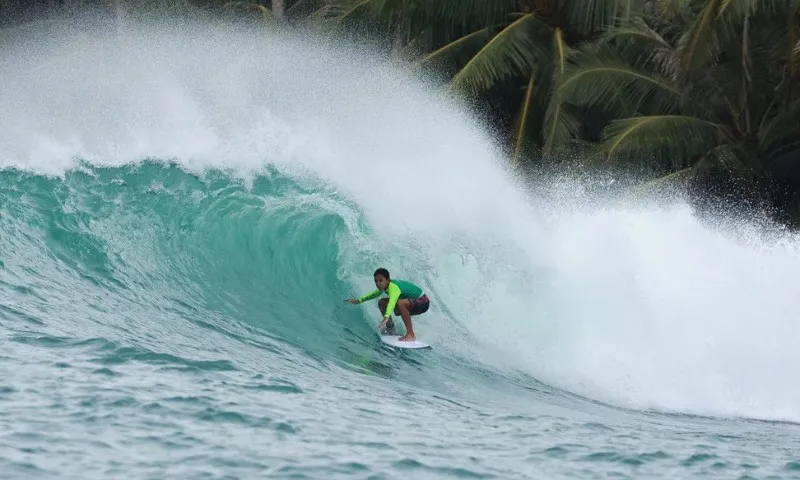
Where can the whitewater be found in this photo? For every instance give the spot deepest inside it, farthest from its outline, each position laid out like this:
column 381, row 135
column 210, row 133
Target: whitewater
column 184, row 208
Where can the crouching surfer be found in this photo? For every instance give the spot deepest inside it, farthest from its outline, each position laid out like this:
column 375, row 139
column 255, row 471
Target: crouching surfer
column 405, row 299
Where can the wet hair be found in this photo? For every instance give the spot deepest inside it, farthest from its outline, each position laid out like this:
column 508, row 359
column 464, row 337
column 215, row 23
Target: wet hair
column 383, row 273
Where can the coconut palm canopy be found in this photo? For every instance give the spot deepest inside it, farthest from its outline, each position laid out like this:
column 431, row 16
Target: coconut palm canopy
column 663, row 86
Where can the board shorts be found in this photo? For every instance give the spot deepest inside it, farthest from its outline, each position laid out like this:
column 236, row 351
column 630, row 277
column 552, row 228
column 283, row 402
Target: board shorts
column 418, row 305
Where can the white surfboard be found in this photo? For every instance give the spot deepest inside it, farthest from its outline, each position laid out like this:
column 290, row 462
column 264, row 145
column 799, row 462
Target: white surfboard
column 393, row 341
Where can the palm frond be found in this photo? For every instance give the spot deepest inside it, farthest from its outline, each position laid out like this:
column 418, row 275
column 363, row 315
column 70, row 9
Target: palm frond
column 591, row 16
column 673, row 8
column 699, row 42
column 678, row 138
column 520, row 130
column 634, row 31
column 459, row 15
column 719, row 23
column 458, row 51
column 601, row 79
column 742, row 8
column 444, row 20
column 559, row 126
column 744, row 84
column 513, row 51
column 642, row 46
column 780, row 126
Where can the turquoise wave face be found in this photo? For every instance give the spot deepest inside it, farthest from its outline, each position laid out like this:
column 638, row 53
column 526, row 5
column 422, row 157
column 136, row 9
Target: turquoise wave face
column 153, row 256
column 153, row 238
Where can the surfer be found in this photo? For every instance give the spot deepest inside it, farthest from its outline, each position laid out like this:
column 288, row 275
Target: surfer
column 405, row 299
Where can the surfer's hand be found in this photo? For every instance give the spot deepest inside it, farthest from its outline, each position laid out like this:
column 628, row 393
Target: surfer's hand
column 383, row 323
column 354, row 301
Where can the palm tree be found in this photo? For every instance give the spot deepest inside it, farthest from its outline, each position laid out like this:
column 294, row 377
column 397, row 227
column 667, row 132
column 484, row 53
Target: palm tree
column 510, row 53
column 695, row 93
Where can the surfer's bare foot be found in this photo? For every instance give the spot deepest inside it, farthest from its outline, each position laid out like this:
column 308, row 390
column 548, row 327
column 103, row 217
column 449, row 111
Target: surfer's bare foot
column 408, row 338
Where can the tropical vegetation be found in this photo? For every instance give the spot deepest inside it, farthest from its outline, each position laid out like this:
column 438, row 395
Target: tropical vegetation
column 703, row 92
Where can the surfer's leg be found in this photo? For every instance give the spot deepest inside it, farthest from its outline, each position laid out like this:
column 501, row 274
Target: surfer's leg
column 389, row 328
column 403, row 309
column 420, row 305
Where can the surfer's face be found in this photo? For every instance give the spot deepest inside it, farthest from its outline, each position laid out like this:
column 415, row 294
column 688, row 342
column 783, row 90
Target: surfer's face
column 381, row 282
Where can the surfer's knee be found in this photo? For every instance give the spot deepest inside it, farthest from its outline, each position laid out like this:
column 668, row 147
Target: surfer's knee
column 382, row 303
column 402, row 306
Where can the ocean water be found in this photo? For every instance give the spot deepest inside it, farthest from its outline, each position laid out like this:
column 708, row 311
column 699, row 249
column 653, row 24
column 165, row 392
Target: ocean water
column 183, row 210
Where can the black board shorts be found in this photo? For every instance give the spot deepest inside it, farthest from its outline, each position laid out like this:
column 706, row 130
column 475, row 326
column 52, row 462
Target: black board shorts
column 418, row 306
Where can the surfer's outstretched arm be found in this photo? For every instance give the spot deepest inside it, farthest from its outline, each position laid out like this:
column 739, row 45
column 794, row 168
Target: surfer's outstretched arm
column 369, row 296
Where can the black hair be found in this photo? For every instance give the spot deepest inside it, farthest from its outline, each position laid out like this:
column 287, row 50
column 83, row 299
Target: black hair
column 382, row 272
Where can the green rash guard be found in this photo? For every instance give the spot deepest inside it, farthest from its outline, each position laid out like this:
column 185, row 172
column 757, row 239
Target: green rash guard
column 396, row 290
